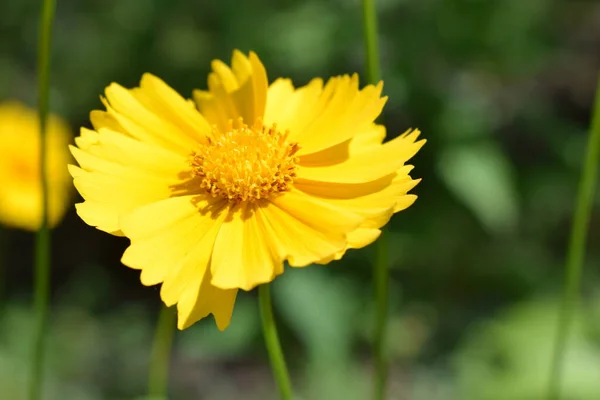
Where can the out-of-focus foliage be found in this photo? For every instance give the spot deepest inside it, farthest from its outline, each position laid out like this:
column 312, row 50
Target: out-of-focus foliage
column 509, row 358
column 502, row 91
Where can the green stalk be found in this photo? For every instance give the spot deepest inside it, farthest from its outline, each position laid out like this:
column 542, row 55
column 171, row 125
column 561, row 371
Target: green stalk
column 3, row 272
column 576, row 249
column 161, row 351
column 272, row 342
column 42, row 242
column 381, row 293
column 371, row 41
column 381, row 278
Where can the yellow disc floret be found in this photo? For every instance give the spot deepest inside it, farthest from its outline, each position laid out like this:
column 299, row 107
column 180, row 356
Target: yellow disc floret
column 246, row 163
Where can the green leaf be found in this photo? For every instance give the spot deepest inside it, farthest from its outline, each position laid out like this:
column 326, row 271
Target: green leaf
column 481, row 177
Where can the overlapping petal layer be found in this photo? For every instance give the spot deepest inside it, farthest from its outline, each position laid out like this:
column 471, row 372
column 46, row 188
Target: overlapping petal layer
column 141, row 174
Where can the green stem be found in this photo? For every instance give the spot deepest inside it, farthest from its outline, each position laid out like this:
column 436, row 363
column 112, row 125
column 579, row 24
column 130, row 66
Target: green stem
column 3, row 272
column 42, row 242
column 381, row 292
column 576, row 249
column 161, row 351
column 371, row 41
column 381, row 263
column 272, row 342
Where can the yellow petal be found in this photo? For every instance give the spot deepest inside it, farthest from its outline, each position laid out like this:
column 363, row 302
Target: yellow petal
column 212, row 110
column 224, row 75
column 196, row 260
column 102, row 119
column 201, row 299
column 375, row 201
column 98, row 215
column 368, row 165
column 260, row 85
column 371, row 138
column 118, row 174
column 321, row 118
column 239, row 91
column 346, row 110
column 348, row 190
column 362, row 237
column 317, row 213
column 109, row 147
column 357, row 239
column 365, row 140
column 86, row 139
column 251, row 95
column 218, row 98
column 118, row 194
column 297, row 242
column 242, row 257
column 292, row 109
column 143, row 123
column 166, row 103
column 175, row 247
column 159, row 243
column 280, row 92
column 321, row 227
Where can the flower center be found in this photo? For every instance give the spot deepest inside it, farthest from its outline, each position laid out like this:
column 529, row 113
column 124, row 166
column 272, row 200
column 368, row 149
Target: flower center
column 246, row 163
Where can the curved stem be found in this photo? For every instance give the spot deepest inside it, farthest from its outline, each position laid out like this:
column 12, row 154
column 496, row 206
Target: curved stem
column 158, row 375
column 42, row 242
column 272, row 342
column 381, row 263
column 576, row 249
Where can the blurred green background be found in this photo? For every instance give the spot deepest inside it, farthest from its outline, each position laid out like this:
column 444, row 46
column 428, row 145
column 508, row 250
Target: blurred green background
column 501, row 89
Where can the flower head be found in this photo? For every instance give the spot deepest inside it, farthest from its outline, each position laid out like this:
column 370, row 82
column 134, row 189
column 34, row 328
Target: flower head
column 215, row 195
column 20, row 191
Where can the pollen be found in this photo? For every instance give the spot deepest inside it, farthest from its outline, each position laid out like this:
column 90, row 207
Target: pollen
column 246, row 163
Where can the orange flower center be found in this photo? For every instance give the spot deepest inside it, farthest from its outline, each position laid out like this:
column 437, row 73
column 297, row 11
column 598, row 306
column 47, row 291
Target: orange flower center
column 246, row 163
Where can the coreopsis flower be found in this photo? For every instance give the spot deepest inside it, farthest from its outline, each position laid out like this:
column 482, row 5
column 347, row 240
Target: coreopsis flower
column 20, row 183
column 216, row 195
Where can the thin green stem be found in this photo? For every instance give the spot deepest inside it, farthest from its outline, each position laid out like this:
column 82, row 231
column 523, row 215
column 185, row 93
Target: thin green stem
column 381, row 262
column 381, row 292
column 3, row 272
column 42, row 242
column 272, row 342
column 161, row 352
column 371, row 41
column 576, row 249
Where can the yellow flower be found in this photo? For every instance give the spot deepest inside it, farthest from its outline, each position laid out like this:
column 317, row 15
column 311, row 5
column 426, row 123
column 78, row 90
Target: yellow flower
column 20, row 188
column 216, row 195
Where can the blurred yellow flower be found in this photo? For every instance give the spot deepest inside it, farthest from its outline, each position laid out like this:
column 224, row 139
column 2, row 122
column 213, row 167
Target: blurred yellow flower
column 20, row 188
column 216, row 195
